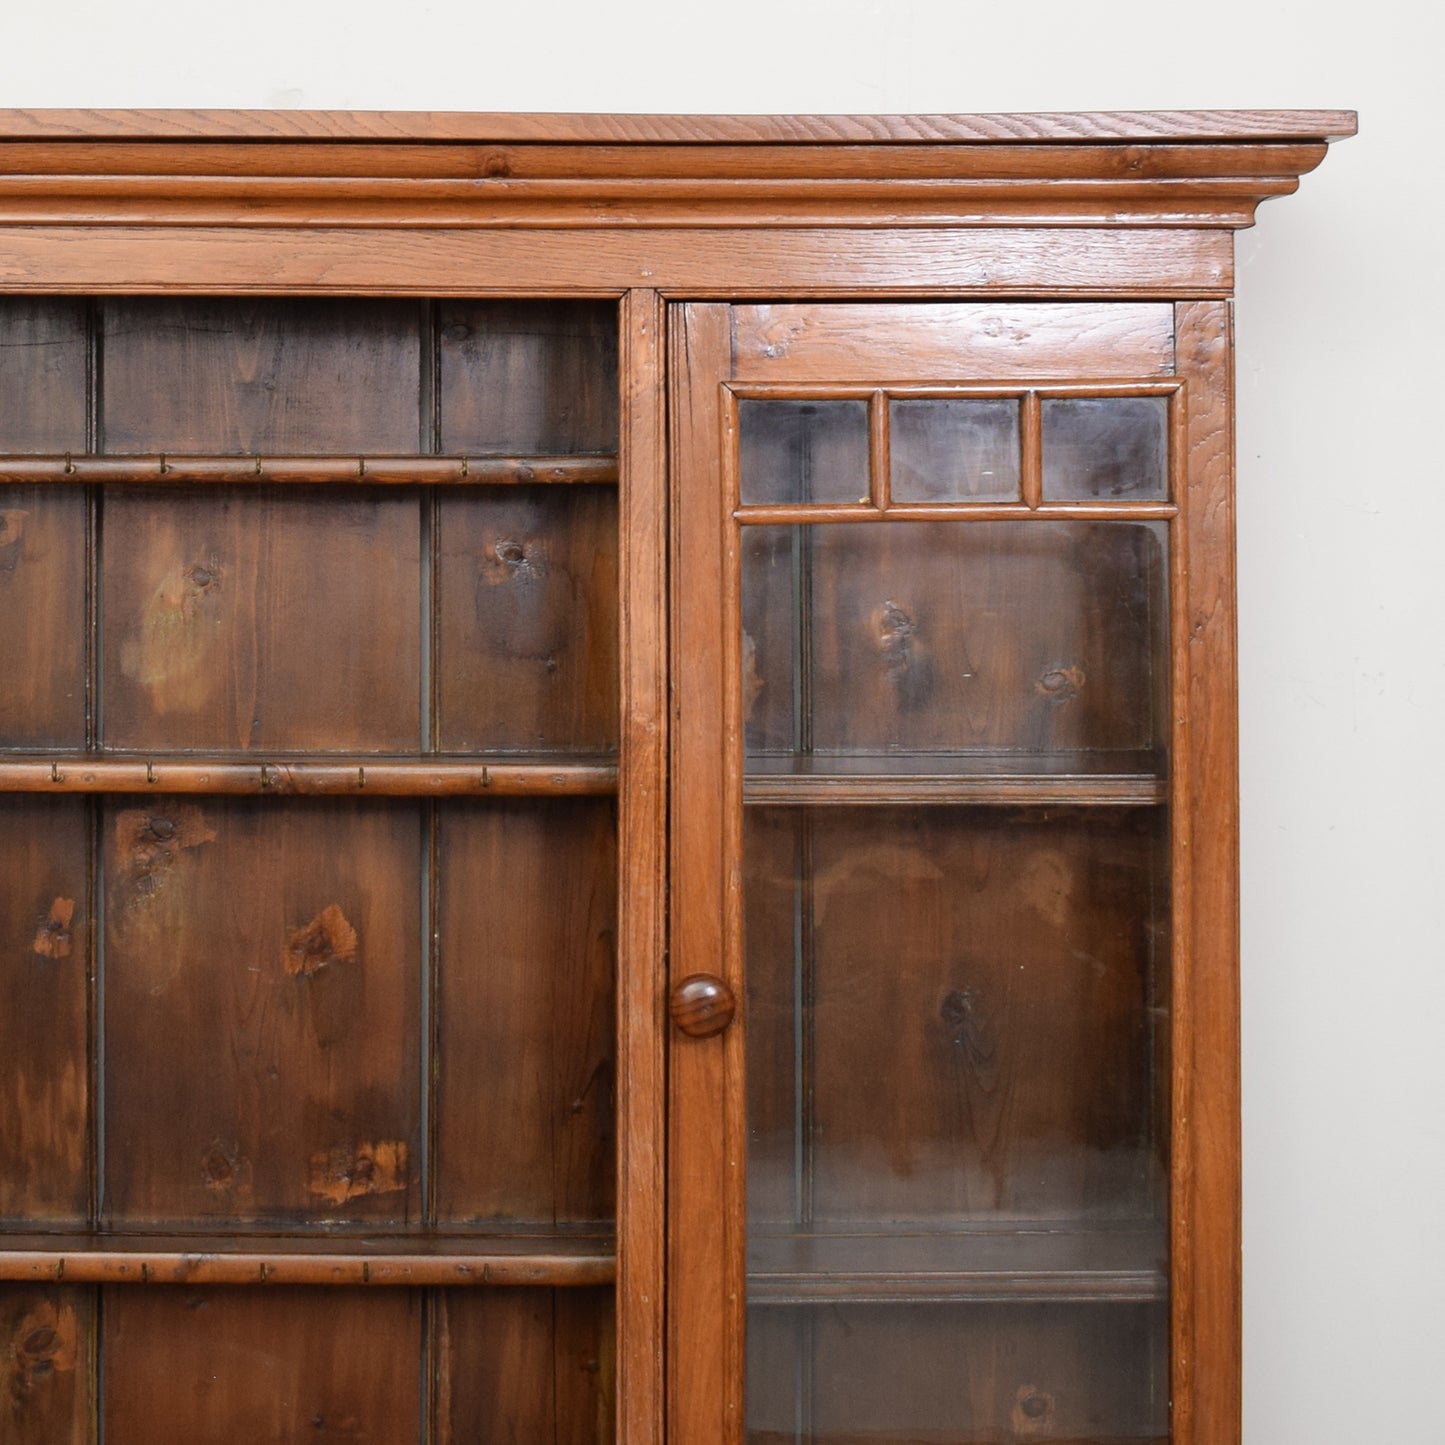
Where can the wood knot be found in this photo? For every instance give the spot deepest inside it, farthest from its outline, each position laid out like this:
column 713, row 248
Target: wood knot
column 1033, row 1412
column 327, row 939
column 53, row 938
column 1061, row 684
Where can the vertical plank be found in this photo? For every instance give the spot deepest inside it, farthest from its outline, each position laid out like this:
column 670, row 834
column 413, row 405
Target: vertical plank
column 263, row 985
column 1207, row 1359
column 42, row 531
column 256, row 375
column 285, row 1366
column 528, row 377
column 45, row 1364
column 527, row 900
column 642, row 873
column 527, row 626
column 44, row 1007
column 706, row 1138
column 260, row 619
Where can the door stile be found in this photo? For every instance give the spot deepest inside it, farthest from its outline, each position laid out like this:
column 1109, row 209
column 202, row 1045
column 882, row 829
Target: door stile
column 706, row 1127
column 642, row 869
column 1207, row 1250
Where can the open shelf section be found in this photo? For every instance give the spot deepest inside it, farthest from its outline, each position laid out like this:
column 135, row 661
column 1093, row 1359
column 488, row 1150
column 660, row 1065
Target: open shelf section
column 1118, row 778
column 360, row 775
column 158, row 469
column 571, row 1258
column 1035, row 1262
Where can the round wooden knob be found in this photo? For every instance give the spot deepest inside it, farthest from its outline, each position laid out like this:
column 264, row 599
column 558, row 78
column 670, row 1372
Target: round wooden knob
column 703, row 1005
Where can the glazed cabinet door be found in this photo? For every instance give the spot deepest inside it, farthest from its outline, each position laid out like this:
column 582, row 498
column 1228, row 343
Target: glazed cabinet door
column 931, row 1169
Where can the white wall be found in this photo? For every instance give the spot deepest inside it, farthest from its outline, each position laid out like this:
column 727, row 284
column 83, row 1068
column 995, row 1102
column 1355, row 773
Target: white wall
column 1342, row 511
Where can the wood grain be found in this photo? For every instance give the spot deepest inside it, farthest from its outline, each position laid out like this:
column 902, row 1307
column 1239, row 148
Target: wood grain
column 1081, row 1374
column 1011, row 955
column 725, row 261
column 528, row 1258
column 262, row 1025
column 43, row 359
column 46, row 1342
column 527, row 620
column 178, row 471
column 528, row 376
column 554, row 127
column 525, row 996
column 533, row 1365
column 249, row 376
column 1207, row 1184
column 285, row 1365
column 958, row 342
column 1036, row 638
column 45, row 1109
column 642, row 874
column 261, row 619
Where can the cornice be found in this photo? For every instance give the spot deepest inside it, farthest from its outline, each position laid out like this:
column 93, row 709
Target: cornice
column 259, row 169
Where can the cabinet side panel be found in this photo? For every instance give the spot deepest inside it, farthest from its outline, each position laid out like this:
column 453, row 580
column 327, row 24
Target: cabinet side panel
column 46, row 1347
column 258, row 375
column 282, row 1365
column 527, row 935
column 1207, row 1211
column 44, row 985
column 43, row 360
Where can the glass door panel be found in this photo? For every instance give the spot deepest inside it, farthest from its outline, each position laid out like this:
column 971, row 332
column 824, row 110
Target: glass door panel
column 955, row 927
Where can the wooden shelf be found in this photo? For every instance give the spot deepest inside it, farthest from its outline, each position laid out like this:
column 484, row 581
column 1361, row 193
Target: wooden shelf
column 157, row 470
column 571, row 1258
column 1119, row 779
column 359, row 775
column 1035, row 1262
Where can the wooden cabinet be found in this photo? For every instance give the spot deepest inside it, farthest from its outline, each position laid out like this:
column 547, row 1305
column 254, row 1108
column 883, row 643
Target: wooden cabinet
column 617, row 787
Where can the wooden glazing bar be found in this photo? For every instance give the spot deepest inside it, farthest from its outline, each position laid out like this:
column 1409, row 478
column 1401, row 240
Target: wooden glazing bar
column 784, row 515
column 160, row 470
column 334, row 777
column 880, row 482
column 1031, row 465
column 216, row 1261
column 1127, row 790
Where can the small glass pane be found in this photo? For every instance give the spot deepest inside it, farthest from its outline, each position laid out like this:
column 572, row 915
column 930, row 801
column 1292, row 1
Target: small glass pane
column 1106, row 449
column 962, row 449
column 803, row 451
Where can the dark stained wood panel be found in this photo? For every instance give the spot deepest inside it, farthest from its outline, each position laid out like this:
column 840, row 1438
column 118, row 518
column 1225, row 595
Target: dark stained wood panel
column 282, row 1365
column 527, row 620
column 1011, row 955
column 1033, row 637
column 43, row 616
column 525, row 1365
column 262, row 619
column 43, row 362
column 46, row 1334
column 215, row 375
column 263, row 986
column 526, row 1045
column 959, row 1374
column 528, row 376
column 45, row 988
